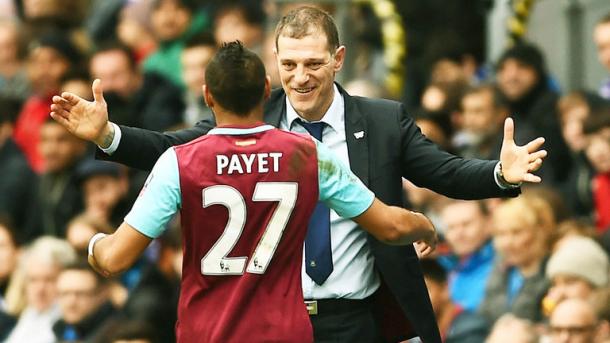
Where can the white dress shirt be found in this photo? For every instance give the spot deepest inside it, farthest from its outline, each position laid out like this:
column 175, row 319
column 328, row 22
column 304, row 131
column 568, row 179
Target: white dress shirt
column 354, row 275
column 35, row 327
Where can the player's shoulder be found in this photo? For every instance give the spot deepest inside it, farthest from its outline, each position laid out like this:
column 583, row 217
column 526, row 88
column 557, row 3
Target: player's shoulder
column 196, row 141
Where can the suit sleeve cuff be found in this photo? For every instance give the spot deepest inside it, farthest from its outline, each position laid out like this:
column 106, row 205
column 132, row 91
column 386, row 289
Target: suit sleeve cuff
column 503, row 184
column 115, row 141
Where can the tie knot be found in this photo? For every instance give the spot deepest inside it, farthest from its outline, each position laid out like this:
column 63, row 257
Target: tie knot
column 314, row 129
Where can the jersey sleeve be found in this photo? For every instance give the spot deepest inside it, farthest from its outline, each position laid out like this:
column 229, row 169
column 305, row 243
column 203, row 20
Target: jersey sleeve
column 340, row 189
column 159, row 199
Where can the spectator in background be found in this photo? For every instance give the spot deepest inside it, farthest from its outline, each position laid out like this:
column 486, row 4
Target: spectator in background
column 173, row 22
column 9, row 252
column 484, row 110
column 575, row 321
column 59, row 197
column 441, row 102
column 130, row 332
column 601, row 37
column 133, row 28
column 145, row 100
column 197, row 53
column 104, row 186
column 17, row 181
column 49, row 59
column 32, row 293
column 77, row 82
column 517, row 283
column 84, row 302
column 511, row 329
column 154, row 299
column 597, row 130
column 13, row 77
column 80, row 230
column 522, row 78
column 577, row 269
column 241, row 20
column 456, row 324
column 574, row 108
column 467, row 230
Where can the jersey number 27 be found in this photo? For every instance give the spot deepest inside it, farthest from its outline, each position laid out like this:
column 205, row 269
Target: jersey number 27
column 216, row 262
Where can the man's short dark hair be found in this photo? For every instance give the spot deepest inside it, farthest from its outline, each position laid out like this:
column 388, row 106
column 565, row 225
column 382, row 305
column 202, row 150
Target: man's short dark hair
column 83, row 266
column 117, row 46
column 9, row 109
column 306, row 20
column 597, row 121
column 205, row 39
column 499, row 100
column 236, row 78
column 604, row 20
column 252, row 11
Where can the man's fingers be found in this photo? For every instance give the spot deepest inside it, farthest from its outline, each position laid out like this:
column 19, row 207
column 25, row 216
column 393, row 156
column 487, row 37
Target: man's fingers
column 537, row 155
column 96, row 87
column 532, row 178
column 509, row 130
column 71, row 98
column 61, row 107
column 533, row 166
column 534, row 145
column 60, row 119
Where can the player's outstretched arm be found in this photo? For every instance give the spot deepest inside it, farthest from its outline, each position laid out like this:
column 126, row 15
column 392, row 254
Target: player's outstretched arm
column 113, row 254
column 395, row 225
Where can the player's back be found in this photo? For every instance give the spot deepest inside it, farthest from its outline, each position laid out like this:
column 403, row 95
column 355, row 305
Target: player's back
column 247, row 195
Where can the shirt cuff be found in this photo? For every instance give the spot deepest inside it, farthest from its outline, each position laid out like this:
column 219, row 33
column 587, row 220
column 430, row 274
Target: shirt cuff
column 503, row 184
column 115, row 141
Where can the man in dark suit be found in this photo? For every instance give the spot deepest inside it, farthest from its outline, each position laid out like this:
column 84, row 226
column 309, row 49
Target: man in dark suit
column 381, row 143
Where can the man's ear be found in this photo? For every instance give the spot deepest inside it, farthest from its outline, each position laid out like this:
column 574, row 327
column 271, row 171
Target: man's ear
column 267, row 87
column 207, row 97
column 339, row 58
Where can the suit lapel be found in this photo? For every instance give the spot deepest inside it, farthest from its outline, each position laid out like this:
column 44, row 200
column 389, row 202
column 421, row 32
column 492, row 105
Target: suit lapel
column 275, row 107
column 356, row 135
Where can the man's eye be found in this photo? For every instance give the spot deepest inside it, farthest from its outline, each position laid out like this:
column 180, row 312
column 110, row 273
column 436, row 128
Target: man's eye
column 287, row 65
column 314, row 65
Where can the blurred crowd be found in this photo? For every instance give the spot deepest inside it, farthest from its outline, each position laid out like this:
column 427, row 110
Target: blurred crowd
column 529, row 269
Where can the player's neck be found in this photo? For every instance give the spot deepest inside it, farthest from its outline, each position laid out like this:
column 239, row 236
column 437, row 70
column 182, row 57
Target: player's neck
column 224, row 118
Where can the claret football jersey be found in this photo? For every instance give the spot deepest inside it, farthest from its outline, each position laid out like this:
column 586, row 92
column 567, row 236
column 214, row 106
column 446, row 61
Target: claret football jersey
column 245, row 195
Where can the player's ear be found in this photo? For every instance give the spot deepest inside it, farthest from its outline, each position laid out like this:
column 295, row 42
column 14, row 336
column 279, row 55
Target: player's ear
column 207, row 97
column 267, row 87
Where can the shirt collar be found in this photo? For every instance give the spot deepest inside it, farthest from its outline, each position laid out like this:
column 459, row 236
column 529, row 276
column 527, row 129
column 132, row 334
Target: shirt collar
column 236, row 131
column 334, row 116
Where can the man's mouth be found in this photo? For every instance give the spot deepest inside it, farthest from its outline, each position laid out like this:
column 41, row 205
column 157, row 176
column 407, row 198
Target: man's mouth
column 303, row 90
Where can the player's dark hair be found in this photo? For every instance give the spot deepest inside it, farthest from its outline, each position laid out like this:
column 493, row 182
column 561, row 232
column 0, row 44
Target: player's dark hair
column 236, row 78
column 433, row 270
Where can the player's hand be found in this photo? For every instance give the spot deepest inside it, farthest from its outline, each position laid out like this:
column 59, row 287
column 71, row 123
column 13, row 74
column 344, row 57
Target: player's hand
column 95, row 267
column 423, row 249
column 519, row 162
column 427, row 245
column 87, row 120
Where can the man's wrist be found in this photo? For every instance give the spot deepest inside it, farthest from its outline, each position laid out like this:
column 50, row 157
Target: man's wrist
column 501, row 181
column 110, row 140
column 105, row 139
column 93, row 240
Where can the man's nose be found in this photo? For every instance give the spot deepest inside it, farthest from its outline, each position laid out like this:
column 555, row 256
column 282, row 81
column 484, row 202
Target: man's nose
column 301, row 75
